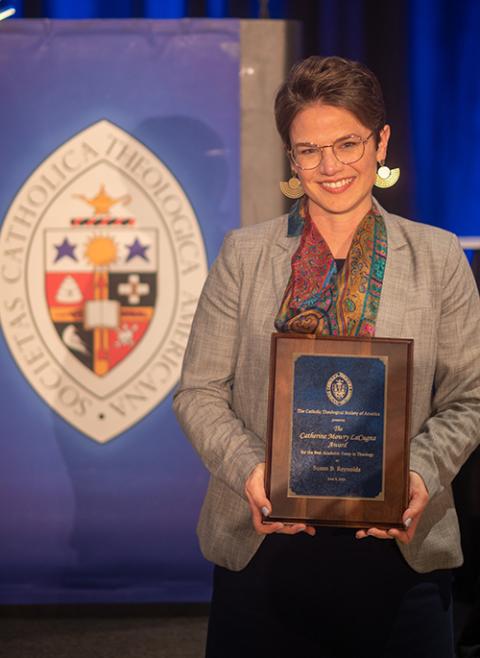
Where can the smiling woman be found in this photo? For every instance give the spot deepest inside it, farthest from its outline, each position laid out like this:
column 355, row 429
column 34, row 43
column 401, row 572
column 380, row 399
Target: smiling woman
column 341, row 108
column 338, row 265
column 339, row 187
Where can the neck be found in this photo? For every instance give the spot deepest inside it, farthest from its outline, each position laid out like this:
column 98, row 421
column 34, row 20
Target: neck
column 338, row 229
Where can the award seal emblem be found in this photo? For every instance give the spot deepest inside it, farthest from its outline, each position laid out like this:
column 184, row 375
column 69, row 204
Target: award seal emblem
column 103, row 262
column 339, row 389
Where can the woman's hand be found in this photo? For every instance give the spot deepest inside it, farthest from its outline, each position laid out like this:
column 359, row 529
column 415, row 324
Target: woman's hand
column 417, row 503
column 258, row 501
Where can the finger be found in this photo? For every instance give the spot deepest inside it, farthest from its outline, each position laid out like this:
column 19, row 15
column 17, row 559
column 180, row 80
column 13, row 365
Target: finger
column 259, row 498
column 258, row 519
column 256, row 495
column 411, row 517
column 405, row 536
column 418, row 499
column 400, row 535
column 260, row 526
column 270, row 528
column 261, row 507
column 416, row 505
column 292, row 529
column 378, row 534
column 372, row 532
column 255, row 489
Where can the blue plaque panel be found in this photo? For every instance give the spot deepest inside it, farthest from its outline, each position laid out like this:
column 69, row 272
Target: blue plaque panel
column 338, row 427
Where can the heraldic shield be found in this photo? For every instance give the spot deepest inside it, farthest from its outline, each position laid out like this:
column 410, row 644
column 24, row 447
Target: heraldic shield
column 100, row 285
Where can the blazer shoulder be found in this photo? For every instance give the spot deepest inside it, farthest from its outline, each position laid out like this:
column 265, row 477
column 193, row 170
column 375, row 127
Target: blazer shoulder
column 267, row 231
column 419, row 236
column 416, row 227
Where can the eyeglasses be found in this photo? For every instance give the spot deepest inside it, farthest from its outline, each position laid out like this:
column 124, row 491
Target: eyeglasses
column 347, row 150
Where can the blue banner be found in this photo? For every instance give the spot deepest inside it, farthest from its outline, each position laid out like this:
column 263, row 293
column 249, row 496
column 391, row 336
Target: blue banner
column 120, row 176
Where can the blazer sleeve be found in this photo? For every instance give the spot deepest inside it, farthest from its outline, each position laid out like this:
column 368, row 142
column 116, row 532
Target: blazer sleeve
column 203, row 400
column 452, row 431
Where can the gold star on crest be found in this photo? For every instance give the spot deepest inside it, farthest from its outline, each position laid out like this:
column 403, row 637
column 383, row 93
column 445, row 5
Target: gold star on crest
column 103, row 201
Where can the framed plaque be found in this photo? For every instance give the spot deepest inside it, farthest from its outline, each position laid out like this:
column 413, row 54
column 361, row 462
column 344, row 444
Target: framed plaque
column 338, row 430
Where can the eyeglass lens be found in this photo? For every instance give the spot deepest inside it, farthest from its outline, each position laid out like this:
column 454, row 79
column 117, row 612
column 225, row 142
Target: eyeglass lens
column 347, row 150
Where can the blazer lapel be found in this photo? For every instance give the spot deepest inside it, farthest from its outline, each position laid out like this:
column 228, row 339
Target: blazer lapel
column 395, row 282
column 282, row 253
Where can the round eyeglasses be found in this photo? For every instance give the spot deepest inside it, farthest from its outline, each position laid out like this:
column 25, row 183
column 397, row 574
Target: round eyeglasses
column 347, row 150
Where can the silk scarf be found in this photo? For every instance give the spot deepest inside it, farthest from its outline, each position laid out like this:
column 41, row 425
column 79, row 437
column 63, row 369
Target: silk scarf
column 320, row 300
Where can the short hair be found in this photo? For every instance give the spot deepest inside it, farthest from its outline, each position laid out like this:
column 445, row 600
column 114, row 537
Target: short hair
column 332, row 81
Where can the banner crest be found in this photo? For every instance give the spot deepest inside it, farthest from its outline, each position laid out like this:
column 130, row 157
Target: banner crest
column 103, row 262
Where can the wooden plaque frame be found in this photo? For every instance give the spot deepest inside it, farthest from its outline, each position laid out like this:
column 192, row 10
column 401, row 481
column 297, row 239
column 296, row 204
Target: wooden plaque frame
column 329, row 509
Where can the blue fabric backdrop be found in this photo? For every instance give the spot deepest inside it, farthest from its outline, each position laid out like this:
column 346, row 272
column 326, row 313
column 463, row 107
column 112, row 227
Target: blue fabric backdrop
column 145, row 8
column 445, row 97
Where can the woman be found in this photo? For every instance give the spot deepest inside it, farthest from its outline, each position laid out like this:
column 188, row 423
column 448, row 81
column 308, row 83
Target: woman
column 296, row 590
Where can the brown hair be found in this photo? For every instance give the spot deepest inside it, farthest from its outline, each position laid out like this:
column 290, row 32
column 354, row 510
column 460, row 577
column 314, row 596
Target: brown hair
column 332, row 81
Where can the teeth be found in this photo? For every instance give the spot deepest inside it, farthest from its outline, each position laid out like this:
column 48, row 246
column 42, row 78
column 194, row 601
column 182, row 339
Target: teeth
column 338, row 183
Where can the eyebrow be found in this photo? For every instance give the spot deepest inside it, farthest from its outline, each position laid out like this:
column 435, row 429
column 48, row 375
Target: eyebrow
column 335, row 140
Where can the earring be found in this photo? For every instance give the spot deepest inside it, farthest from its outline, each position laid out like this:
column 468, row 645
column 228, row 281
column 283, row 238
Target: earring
column 386, row 177
column 292, row 188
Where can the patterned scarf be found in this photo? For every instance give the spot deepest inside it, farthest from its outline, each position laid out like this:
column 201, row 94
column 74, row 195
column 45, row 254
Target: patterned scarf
column 319, row 300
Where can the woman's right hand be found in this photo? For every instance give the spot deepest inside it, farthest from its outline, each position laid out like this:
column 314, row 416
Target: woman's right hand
column 258, row 501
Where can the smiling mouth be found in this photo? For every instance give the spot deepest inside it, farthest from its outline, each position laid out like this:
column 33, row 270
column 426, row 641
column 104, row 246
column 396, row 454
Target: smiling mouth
column 338, row 185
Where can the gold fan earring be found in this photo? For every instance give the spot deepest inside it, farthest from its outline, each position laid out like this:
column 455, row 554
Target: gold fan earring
column 386, row 177
column 292, row 188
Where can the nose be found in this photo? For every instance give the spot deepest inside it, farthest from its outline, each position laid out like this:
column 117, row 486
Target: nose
column 329, row 164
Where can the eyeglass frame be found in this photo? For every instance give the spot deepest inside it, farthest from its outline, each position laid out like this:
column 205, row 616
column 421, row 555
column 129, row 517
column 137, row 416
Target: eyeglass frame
column 325, row 146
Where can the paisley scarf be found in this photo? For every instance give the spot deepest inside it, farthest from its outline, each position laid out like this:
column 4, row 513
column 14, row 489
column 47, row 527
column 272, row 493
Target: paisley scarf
column 320, row 300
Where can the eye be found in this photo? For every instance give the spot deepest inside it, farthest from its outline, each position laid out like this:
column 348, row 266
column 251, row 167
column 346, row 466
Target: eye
column 307, row 150
column 347, row 145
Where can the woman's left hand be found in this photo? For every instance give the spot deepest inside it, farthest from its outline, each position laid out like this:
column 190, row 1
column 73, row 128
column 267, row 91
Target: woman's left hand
column 417, row 503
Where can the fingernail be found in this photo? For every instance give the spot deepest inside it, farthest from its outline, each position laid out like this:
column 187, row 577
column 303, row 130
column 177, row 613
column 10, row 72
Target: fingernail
column 407, row 523
column 265, row 511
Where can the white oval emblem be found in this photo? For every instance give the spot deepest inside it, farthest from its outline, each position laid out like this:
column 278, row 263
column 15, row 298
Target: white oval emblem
column 102, row 266
column 339, row 388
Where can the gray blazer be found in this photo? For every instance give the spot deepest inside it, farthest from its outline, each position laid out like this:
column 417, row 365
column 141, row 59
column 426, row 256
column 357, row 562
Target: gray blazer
column 428, row 294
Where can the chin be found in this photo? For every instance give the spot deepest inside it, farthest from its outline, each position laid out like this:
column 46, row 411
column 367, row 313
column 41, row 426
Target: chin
column 339, row 206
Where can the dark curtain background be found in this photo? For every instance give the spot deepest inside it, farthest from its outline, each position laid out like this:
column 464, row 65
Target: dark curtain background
column 426, row 54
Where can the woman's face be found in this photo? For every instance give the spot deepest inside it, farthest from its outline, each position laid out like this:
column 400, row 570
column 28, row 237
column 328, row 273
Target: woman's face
column 335, row 189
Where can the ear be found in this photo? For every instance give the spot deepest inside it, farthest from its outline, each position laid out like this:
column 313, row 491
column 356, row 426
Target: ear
column 293, row 167
column 383, row 143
